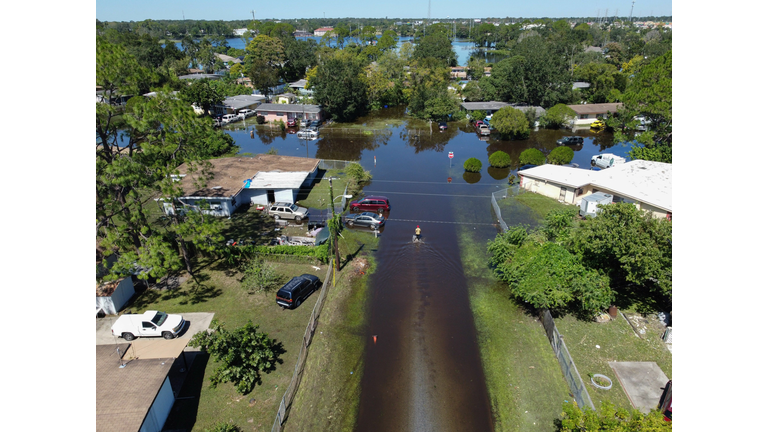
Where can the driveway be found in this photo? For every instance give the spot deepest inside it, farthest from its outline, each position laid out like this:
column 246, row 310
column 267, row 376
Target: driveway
column 643, row 382
column 196, row 322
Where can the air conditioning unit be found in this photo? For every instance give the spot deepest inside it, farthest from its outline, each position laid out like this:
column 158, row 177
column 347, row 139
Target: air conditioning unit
column 216, row 207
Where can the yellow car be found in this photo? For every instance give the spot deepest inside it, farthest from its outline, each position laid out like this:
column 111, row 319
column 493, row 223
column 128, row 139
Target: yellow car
column 597, row 124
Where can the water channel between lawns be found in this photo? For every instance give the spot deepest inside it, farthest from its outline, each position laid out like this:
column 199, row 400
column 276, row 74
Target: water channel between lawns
column 424, row 372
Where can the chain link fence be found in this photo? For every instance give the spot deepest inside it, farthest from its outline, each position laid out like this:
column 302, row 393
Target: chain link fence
column 571, row 374
column 298, row 371
column 329, row 164
column 567, row 366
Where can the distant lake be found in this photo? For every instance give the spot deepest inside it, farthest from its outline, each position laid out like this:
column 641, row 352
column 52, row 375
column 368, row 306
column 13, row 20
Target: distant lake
column 462, row 47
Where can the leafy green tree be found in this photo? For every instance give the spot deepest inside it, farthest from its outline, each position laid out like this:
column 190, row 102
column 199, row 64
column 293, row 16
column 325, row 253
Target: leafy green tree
column 358, row 175
column 500, row 159
column 429, row 95
column 609, row 418
column 605, row 80
column 532, row 156
column 560, row 156
column 511, row 122
column 557, row 117
column 472, row 92
column 243, row 354
column 267, row 49
column 341, row 31
column 473, row 165
column 436, row 45
column 260, row 276
column 559, row 223
column 631, row 246
column 546, row 275
column 649, row 94
column 263, row 76
column 300, row 55
column 201, row 93
column 340, row 86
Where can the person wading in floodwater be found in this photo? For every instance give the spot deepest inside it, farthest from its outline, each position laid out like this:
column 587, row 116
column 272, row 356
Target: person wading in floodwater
column 417, row 236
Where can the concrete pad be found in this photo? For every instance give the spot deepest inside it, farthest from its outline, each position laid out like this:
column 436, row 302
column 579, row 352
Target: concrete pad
column 196, row 322
column 643, row 382
column 149, row 348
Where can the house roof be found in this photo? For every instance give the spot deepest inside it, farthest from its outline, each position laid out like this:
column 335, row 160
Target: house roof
column 641, row 180
column 568, row 176
column 470, row 106
column 200, row 76
column 278, row 180
column 241, row 101
column 226, row 58
column 229, row 174
column 298, row 84
column 580, row 84
column 125, row 395
column 292, row 108
column 602, row 108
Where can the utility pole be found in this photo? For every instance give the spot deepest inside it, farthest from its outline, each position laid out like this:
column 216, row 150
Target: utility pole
column 333, row 229
column 630, row 12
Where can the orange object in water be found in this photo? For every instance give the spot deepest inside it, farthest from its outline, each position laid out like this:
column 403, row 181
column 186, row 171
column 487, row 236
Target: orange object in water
column 374, row 339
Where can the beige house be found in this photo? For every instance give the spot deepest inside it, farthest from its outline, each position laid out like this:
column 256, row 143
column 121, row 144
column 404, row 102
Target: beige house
column 587, row 113
column 285, row 112
column 646, row 184
column 285, row 98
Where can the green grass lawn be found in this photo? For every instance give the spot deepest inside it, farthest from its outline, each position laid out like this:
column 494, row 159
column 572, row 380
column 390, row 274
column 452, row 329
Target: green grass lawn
column 539, row 204
column 525, row 384
column 218, row 290
column 320, row 196
column 617, row 343
column 328, row 397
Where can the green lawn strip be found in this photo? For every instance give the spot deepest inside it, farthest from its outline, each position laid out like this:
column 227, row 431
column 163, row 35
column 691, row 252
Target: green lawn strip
column 540, row 204
column 319, row 196
column 617, row 343
column 219, row 291
column 525, row 384
column 329, row 395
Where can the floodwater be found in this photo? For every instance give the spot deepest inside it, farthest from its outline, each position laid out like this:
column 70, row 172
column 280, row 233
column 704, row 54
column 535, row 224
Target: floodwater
column 424, row 372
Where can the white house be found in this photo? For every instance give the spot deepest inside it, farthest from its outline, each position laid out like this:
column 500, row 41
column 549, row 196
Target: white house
column 646, row 184
column 112, row 296
column 237, row 181
column 587, row 113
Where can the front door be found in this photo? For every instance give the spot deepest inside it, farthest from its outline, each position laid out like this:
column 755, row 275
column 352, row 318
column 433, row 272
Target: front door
column 562, row 194
column 270, row 196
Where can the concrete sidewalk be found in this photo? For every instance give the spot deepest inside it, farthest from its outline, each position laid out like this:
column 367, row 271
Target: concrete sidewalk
column 643, row 382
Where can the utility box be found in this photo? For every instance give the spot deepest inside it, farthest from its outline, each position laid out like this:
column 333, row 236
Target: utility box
column 589, row 203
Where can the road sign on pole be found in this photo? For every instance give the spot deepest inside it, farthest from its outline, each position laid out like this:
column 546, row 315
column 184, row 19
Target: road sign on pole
column 450, row 155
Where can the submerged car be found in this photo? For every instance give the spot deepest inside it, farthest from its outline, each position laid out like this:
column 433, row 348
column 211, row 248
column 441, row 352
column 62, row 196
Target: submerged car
column 570, row 140
column 365, row 219
column 443, row 126
column 483, row 129
column 371, row 203
column 291, row 123
column 597, row 124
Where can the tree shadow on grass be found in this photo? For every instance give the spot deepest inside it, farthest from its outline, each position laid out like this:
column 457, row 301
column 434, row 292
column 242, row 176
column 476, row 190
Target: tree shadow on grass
column 349, row 257
column 199, row 291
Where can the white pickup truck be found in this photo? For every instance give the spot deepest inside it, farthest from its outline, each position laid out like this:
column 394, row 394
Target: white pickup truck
column 150, row 323
column 607, row 160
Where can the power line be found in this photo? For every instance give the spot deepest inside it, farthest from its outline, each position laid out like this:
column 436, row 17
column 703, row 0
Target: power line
column 427, row 194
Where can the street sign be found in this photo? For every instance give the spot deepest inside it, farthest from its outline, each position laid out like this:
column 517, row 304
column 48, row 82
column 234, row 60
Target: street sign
column 450, row 155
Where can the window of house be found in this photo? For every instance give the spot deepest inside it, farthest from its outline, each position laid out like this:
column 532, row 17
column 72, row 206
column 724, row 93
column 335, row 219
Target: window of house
column 279, row 114
column 584, row 116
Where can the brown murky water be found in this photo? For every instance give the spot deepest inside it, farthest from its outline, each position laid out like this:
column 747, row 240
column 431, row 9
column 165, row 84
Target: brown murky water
column 424, row 372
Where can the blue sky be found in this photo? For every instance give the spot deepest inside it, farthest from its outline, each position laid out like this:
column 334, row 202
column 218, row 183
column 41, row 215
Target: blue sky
column 139, row 10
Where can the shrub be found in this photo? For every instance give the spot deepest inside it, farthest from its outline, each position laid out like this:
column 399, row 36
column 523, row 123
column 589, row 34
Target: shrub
column 260, row 119
column 513, row 179
column 477, row 115
column 557, row 116
column 473, row 165
column 532, row 156
column 259, row 276
column 511, row 122
column 561, row 155
column 500, row 159
column 282, row 125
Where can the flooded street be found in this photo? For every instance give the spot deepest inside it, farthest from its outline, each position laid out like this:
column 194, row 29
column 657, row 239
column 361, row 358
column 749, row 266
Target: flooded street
column 424, row 371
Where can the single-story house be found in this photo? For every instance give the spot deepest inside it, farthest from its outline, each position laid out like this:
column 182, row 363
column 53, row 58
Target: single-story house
column 136, row 397
column 198, row 76
column 580, row 85
column 228, row 59
column 492, row 107
column 298, row 87
column 276, row 111
column 458, row 72
column 233, row 104
column 236, row 181
column 323, row 30
column 285, row 98
column 587, row 113
column 646, row 184
column 112, row 296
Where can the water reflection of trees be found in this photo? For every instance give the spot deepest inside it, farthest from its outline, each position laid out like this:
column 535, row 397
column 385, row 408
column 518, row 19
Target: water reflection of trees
column 338, row 146
column 498, row 173
column 422, row 140
column 471, row 177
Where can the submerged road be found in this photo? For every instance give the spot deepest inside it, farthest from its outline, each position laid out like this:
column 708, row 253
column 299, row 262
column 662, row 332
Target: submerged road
column 424, row 372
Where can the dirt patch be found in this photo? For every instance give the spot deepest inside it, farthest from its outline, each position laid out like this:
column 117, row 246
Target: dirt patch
column 359, row 266
column 645, row 325
column 170, row 282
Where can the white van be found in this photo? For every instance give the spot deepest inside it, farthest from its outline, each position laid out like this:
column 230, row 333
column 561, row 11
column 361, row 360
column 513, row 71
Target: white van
column 607, row 160
column 228, row 118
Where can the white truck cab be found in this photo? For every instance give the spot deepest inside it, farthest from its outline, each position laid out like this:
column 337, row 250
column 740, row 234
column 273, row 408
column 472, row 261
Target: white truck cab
column 148, row 324
column 607, row 160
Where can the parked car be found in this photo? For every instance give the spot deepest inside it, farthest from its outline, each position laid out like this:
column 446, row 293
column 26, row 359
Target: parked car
column 607, row 160
column 483, row 129
column 150, row 323
column 245, row 113
column 284, row 210
column 291, row 123
column 443, row 126
column 297, row 290
column 378, row 204
column 308, row 132
column 228, row 118
column 365, row 219
column 306, row 122
column 478, row 123
column 570, row 140
column 315, row 124
column 597, row 124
